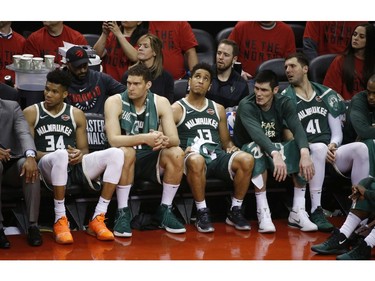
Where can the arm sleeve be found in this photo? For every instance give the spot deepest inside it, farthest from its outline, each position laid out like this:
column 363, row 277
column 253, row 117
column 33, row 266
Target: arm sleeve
column 336, row 129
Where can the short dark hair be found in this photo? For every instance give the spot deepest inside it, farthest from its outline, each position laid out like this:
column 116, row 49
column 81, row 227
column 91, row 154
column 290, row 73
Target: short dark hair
column 205, row 66
column 61, row 77
column 301, row 58
column 236, row 49
column 267, row 76
column 140, row 70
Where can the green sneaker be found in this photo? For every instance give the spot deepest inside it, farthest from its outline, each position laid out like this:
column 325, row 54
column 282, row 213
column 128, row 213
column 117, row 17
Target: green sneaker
column 168, row 220
column 122, row 223
column 361, row 252
column 321, row 221
column 336, row 244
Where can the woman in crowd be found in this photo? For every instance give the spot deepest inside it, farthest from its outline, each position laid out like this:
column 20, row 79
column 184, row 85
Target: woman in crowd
column 150, row 54
column 349, row 72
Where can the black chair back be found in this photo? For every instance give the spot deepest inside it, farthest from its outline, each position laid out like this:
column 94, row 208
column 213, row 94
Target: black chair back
column 318, row 67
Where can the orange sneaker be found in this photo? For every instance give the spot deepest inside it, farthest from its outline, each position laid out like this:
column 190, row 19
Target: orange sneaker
column 98, row 229
column 61, row 231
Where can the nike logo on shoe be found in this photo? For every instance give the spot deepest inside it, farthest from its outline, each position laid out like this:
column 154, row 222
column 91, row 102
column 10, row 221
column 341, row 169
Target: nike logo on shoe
column 297, row 221
column 342, row 242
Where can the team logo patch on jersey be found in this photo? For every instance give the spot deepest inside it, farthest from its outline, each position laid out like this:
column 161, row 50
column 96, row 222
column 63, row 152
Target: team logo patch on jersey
column 65, row 117
column 333, row 101
column 210, row 111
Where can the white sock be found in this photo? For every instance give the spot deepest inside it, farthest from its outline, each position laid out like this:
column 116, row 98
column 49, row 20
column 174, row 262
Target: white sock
column 122, row 194
column 370, row 239
column 201, row 205
column 299, row 198
column 169, row 192
column 59, row 209
column 101, row 207
column 236, row 202
column 261, row 200
column 315, row 196
column 350, row 224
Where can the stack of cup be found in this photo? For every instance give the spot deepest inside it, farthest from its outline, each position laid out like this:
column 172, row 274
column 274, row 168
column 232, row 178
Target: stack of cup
column 49, row 61
column 26, row 62
column 37, row 63
column 16, row 61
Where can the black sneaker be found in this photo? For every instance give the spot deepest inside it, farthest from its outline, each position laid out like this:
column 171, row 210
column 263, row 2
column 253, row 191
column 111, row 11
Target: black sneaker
column 336, row 244
column 318, row 217
column 34, row 238
column 203, row 221
column 235, row 218
column 361, row 252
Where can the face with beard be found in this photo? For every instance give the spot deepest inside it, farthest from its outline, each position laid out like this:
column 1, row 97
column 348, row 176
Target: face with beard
column 224, row 57
column 79, row 72
column 294, row 71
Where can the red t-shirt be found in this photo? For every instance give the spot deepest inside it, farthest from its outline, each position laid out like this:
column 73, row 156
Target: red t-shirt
column 258, row 44
column 40, row 42
column 8, row 48
column 115, row 62
column 177, row 37
column 331, row 37
column 333, row 78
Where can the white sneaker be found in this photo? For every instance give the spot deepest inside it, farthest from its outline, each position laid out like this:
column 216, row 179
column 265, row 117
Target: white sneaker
column 299, row 218
column 265, row 222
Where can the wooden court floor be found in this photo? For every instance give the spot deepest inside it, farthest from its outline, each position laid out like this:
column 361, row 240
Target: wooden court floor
column 226, row 243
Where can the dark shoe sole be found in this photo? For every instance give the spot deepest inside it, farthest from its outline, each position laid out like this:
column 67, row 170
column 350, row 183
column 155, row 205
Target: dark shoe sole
column 332, row 252
column 229, row 222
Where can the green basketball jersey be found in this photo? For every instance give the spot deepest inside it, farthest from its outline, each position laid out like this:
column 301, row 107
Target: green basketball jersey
column 313, row 115
column 203, row 124
column 52, row 132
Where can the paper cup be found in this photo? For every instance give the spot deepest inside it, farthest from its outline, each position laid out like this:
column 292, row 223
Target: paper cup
column 49, row 61
column 16, row 61
column 25, row 63
column 37, row 63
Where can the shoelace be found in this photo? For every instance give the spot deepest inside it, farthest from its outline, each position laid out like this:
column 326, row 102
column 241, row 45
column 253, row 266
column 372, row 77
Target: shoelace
column 170, row 217
column 124, row 219
column 204, row 217
column 237, row 214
